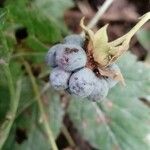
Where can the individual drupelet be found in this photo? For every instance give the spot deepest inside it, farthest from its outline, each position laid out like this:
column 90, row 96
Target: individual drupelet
column 51, row 55
column 71, row 57
column 100, row 90
column 74, row 39
column 82, row 82
column 112, row 82
column 59, row 78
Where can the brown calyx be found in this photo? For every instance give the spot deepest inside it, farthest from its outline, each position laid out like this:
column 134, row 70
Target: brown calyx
column 90, row 59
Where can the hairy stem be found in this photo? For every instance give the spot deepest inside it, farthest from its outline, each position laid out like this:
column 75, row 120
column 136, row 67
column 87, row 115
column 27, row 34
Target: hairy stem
column 41, row 108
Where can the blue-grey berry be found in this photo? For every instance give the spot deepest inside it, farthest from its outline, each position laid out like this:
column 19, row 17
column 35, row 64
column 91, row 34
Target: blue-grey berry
column 112, row 82
column 51, row 55
column 82, row 82
column 100, row 90
column 59, row 78
column 74, row 39
column 71, row 57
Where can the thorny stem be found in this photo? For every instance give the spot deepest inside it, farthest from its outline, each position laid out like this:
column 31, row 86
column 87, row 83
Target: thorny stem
column 41, row 108
column 127, row 37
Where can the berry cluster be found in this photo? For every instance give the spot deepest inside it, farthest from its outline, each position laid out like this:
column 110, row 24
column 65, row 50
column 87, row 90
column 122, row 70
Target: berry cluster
column 71, row 73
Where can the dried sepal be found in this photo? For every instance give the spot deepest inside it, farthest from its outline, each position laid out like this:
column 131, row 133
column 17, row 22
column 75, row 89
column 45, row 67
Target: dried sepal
column 89, row 34
column 115, row 75
column 101, row 51
column 101, row 46
column 116, row 52
column 97, row 44
column 106, row 53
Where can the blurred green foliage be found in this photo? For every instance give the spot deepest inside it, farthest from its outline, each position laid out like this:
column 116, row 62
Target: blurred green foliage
column 144, row 36
column 121, row 122
column 43, row 21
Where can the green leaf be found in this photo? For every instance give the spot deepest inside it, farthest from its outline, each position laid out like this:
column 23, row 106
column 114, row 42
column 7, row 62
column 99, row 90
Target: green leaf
column 4, row 100
column 27, row 97
column 54, row 110
column 4, row 49
column 31, row 132
column 41, row 18
column 15, row 69
column 38, row 25
column 144, row 37
column 36, row 46
column 53, row 8
column 122, row 121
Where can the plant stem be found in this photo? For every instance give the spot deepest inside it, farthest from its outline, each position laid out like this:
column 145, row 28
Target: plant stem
column 99, row 13
column 43, row 90
column 14, row 102
column 41, row 108
column 68, row 136
column 130, row 34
